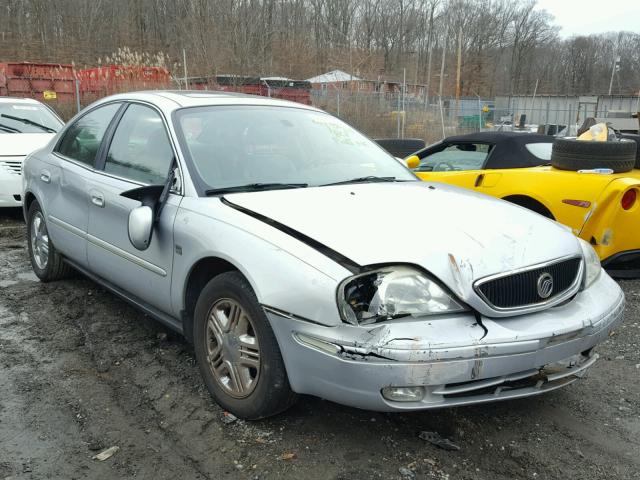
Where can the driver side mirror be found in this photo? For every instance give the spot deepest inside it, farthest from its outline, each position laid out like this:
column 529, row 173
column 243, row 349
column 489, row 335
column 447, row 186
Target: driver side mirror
column 140, row 226
column 143, row 218
column 412, row 162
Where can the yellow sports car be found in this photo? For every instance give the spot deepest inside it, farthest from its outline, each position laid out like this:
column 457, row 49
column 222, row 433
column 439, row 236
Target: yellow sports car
column 592, row 187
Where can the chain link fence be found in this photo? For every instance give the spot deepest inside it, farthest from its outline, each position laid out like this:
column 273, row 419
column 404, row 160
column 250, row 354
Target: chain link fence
column 398, row 115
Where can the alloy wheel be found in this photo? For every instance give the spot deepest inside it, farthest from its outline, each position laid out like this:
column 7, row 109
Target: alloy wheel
column 39, row 241
column 233, row 352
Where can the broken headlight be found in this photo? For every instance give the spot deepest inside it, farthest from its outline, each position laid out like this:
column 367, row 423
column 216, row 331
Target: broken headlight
column 393, row 292
column 591, row 263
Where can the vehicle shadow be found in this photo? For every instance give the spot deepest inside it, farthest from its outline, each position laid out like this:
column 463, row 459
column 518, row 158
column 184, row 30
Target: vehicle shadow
column 9, row 216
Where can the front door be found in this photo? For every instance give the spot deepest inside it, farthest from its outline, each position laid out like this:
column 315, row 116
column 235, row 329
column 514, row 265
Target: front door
column 139, row 154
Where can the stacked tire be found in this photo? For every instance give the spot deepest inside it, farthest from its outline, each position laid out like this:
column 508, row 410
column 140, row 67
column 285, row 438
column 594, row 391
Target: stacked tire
column 574, row 155
column 635, row 138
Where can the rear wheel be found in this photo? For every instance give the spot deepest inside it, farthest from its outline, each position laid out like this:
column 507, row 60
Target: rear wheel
column 531, row 204
column 46, row 262
column 237, row 351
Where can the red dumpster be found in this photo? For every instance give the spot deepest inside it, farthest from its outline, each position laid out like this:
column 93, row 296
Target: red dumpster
column 41, row 81
column 102, row 81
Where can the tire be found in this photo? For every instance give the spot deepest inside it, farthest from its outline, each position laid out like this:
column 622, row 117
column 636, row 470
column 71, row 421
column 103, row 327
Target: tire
column 635, row 138
column 530, row 204
column 401, row 147
column 574, row 155
column 260, row 390
column 46, row 262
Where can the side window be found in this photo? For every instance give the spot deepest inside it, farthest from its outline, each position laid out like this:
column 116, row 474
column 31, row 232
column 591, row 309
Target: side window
column 140, row 149
column 82, row 141
column 462, row 156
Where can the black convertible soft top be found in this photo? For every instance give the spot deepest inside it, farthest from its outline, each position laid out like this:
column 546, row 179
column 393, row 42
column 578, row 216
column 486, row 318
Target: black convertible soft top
column 508, row 150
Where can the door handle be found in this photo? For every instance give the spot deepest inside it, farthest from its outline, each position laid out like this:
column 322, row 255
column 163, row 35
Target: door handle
column 45, row 176
column 97, row 199
column 479, row 180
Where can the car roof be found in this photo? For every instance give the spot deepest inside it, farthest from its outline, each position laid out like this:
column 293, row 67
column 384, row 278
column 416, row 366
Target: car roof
column 497, row 137
column 194, row 98
column 509, row 148
column 19, row 100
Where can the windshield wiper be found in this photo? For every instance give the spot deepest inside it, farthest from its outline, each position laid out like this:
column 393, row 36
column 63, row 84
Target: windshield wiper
column 368, row 179
column 29, row 122
column 9, row 129
column 253, row 187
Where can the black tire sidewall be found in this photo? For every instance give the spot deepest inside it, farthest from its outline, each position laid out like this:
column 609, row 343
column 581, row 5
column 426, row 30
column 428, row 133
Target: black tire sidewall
column 272, row 393
column 574, row 155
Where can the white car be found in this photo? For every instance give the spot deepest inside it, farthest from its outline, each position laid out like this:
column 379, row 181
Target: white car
column 25, row 125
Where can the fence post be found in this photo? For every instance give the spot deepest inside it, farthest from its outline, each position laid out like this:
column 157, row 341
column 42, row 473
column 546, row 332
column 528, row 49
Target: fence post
column 78, row 94
column 441, row 117
column 398, row 115
column 546, row 117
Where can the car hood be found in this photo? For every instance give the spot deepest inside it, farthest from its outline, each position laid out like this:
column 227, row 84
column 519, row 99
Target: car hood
column 457, row 235
column 21, row 144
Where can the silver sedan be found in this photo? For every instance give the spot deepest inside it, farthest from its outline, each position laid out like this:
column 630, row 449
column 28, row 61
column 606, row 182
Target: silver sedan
column 300, row 258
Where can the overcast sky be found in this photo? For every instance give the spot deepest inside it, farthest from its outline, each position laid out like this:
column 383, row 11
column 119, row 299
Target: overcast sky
column 582, row 17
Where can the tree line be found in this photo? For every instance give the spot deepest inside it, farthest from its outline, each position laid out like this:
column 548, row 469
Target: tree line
column 505, row 47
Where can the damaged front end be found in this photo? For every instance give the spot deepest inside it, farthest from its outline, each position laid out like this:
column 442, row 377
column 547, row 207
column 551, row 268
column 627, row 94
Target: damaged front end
column 400, row 360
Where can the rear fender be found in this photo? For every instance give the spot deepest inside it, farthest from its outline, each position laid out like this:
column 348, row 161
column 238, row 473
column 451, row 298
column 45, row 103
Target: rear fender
column 608, row 227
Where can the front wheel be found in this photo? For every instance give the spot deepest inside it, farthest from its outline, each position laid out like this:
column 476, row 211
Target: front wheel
column 46, row 262
column 237, row 352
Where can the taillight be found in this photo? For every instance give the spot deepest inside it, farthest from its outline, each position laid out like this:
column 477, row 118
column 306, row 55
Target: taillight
column 628, row 199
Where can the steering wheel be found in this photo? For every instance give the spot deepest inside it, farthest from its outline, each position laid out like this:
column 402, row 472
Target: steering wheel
column 447, row 165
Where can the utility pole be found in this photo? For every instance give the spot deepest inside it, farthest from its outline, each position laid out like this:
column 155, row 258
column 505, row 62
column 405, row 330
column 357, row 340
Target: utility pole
column 184, row 64
column 430, row 50
column 404, row 89
column 614, row 69
column 444, row 52
column 458, row 71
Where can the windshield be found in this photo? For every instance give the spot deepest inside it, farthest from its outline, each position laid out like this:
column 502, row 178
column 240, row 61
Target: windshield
column 245, row 146
column 27, row 118
column 463, row 156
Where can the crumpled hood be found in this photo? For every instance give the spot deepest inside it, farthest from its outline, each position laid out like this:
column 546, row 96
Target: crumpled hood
column 22, row 144
column 456, row 234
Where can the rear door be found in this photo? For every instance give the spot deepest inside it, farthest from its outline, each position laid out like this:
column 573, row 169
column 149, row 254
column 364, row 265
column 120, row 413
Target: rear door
column 63, row 181
column 138, row 153
column 455, row 163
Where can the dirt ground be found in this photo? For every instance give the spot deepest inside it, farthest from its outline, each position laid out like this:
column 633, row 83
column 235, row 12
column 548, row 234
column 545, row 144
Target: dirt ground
column 81, row 371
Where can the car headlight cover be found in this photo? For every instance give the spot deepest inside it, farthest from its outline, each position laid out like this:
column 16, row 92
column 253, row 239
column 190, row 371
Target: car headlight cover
column 591, row 263
column 392, row 292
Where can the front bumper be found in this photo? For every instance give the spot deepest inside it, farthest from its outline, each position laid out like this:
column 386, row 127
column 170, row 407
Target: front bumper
column 10, row 189
column 452, row 358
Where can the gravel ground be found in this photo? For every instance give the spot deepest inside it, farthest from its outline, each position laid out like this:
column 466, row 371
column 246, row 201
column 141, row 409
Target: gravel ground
column 81, row 371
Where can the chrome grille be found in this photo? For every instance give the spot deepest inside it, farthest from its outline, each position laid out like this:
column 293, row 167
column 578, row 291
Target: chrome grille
column 520, row 289
column 13, row 166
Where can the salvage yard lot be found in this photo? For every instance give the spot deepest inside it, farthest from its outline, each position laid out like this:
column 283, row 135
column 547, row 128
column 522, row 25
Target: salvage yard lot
column 81, row 371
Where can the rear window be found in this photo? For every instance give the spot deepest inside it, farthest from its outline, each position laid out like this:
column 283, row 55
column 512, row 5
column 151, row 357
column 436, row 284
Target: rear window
column 540, row 150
